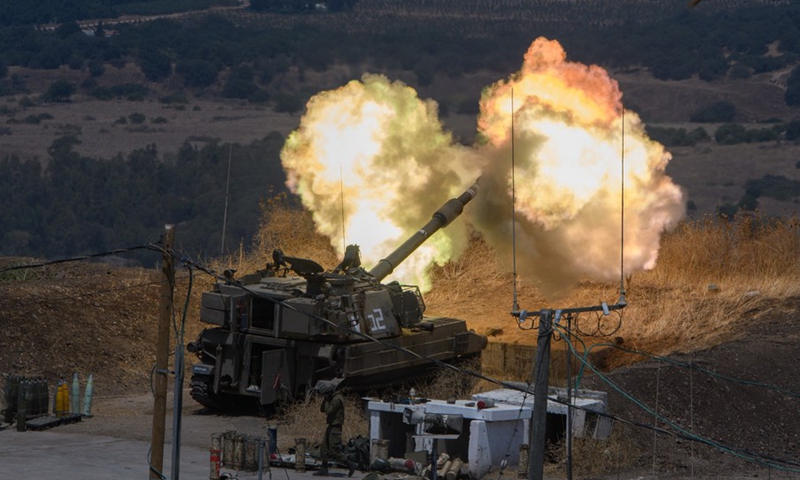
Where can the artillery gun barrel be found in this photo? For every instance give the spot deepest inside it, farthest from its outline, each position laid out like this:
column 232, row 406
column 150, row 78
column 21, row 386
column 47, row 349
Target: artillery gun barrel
column 441, row 218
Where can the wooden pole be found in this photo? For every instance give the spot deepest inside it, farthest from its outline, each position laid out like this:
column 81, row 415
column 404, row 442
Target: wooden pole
column 162, row 356
column 538, row 430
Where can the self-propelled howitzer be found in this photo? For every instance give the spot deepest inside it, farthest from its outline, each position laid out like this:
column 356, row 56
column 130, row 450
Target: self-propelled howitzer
column 280, row 330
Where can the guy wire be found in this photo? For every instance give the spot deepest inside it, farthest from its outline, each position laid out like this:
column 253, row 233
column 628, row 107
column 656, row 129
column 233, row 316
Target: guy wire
column 515, row 306
column 622, row 214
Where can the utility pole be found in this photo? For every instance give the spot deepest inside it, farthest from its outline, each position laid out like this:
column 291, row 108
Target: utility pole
column 162, row 355
column 538, row 431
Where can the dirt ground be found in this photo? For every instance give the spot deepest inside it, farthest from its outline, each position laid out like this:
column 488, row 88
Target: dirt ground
column 743, row 415
column 100, row 319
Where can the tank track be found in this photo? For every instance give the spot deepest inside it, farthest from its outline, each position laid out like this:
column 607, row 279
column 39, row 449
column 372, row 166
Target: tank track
column 200, row 390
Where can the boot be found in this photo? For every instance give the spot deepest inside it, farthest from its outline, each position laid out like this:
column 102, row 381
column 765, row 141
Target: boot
column 322, row 472
column 351, row 468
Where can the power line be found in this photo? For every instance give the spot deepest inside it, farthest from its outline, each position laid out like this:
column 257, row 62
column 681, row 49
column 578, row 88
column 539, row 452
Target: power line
column 118, row 251
column 691, row 366
column 765, row 460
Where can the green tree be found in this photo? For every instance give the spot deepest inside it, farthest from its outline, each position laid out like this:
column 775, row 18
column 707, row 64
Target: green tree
column 96, row 68
column 715, row 113
column 155, row 64
column 792, row 95
column 64, row 30
column 99, row 31
column 731, row 134
column 739, row 72
column 197, row 73
column 288, row 103
column 793, row 130
column 60, row 91
column 240, row 83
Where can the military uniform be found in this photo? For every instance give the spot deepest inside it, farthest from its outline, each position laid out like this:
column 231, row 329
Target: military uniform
column 331, row 447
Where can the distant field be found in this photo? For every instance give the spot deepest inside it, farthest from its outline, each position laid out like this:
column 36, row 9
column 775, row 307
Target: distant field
column 485, row 18
column 711, row 174
column 96, row 125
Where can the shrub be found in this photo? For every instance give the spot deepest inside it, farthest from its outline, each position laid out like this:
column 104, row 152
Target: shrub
column 259, row 96
column 764, row 134
column 137, row 118
column 240, row 83
column 739, row 72
column 96, row 68
column 715, row 113
column 129, row 91
column 177, row 97
column 727, row 211
column 287, row 103
column 773, row 186
column 197, row 73
column 89, row 84
column 101, row 93
column 699, row 134
column 155, row 65
column 793, row 130
column 731, row 134
column 60, row 91
column 792, row 95
column 33, row 119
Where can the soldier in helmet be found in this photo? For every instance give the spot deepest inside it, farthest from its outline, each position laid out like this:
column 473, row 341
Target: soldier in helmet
column 331, row 447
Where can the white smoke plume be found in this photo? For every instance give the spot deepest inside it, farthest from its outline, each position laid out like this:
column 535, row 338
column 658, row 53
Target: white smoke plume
column 372, row 153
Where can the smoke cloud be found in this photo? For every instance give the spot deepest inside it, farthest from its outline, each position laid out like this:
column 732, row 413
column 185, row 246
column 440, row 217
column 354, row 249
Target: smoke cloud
column 372, row 162
column 568, row 173
column 373, row 155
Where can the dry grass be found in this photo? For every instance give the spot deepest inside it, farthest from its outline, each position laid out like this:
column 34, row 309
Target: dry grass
column 288, row 228
column 593, row 457
column 304, row 420
column 710, row 277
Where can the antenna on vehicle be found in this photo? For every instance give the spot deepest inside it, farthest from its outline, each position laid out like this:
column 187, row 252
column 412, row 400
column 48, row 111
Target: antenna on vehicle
column 341, row 201
column 227, row 190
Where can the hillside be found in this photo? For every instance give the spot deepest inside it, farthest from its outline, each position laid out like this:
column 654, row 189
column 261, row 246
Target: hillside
column 95, row 318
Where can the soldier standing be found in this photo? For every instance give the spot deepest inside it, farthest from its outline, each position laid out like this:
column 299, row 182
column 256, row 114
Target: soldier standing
column 333, row 408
